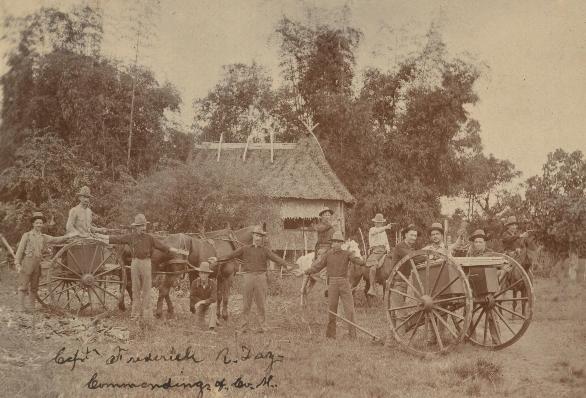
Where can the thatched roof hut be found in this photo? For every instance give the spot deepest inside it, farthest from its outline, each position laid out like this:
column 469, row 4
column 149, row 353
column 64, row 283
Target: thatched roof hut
column 296, row 176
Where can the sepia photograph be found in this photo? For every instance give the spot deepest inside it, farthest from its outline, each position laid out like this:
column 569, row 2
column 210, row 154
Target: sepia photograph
column 292, row 198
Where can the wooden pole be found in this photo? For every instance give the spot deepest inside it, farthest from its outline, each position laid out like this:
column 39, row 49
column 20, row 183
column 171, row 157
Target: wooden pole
column 7, row 246
column 272, row 146
column 220, row 146
column 374, row 336
column 246, row 148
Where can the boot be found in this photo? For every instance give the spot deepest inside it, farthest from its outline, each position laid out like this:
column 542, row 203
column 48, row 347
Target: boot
column 21, row 301
column 372, row 279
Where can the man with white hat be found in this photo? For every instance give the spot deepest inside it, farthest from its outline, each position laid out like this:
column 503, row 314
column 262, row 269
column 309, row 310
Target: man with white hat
column 336, row 262
column 79, row 221
column 203, row 296
column 255, row 284
column 436, row 237
column 141, row 249
column 378, row 244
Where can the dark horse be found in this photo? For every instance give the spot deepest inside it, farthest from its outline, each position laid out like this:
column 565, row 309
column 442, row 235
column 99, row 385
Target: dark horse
column 357, row 273
column 170, row 267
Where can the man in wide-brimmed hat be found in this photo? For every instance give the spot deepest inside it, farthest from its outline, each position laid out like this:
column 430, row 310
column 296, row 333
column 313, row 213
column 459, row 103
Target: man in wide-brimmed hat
column 255, row 284
column 378, row 244
column 80, row 217
column 515, row 242
column 401, row 250
column 336, row 262
column 478, row 246
column 436, row 237
column 141, row 249
column 28, row 259
column 203, row 296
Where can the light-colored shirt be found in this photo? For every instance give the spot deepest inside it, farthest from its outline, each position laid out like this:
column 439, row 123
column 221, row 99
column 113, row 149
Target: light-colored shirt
column 32, row 244
column 79, row 221
column 441, row 247
column 377, row 236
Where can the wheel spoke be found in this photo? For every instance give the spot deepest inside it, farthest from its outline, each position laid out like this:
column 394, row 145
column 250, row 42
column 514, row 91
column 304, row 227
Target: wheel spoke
column 415, row 327
column 445, row 323
column 99, row 298
column 405, row 307
column 69, row 298
column 75, row 260
column 427, row 273
column 446, row 287
column 494, row 329
column 66, row 279
column 403, row 294
column 416, row 272
column 513, row 299
column 406, row 320
column 447, row 300
column 52, row 290
column 106, row 291
column 66, row 267
column 448, row 312
column 438, row 277
column 512, row 312
column 104, row 261
column 109, row 281
column 502, row 318
column 473, row 327
column 508, row 288
column 436, row 331
column 70, row 287
column 486, row 317
column 408, row 283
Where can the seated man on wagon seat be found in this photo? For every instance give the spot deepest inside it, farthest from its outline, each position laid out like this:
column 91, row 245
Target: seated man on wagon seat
column 378, row 244
column 436, row 236
column 478, row 246
column 79, row 221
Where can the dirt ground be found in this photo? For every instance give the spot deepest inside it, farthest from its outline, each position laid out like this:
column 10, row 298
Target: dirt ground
column 292, row 359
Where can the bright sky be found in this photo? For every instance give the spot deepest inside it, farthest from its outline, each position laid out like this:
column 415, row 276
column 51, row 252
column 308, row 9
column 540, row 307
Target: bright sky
column 532, row 95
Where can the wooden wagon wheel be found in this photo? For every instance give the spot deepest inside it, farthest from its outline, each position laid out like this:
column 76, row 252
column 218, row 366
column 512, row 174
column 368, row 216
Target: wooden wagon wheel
column 427, row 293
column 85, row 277
column 496, row 320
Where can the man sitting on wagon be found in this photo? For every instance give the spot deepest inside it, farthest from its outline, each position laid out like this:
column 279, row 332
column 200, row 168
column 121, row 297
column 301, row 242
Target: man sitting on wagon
column 436, row 236
column 79, row 221
column 378, row 243
column 478, row 246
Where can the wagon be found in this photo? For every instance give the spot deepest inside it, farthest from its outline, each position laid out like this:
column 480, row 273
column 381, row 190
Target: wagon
column 84, row 277
column 435, row 302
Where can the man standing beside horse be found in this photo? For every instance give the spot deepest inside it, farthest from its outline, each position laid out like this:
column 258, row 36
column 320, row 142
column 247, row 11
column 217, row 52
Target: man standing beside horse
column 378, row 243
column 255, row 287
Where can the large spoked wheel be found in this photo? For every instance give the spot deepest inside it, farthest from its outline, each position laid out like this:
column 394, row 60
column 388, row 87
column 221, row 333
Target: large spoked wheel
column 499, row 319
column 85, row 277
column 428, row 299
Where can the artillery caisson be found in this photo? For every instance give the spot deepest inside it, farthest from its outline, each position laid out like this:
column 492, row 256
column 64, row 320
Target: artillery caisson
column 435, row 302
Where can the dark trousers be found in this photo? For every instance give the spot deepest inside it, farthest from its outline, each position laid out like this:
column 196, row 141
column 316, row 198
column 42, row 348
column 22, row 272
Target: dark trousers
column 339, row 289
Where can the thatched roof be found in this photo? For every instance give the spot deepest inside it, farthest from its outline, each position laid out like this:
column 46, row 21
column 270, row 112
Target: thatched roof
column 298, row 171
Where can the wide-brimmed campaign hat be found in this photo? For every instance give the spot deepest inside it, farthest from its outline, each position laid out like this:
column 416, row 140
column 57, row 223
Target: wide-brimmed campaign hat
column 85, row 191
column 322, row 211
column 37, row 215
column 512, row 220
column 479, row 233
column 259, row 231
column 436, row 226
column 379, row 218
column 337, row 237
column 204, row 267
column 139, row 219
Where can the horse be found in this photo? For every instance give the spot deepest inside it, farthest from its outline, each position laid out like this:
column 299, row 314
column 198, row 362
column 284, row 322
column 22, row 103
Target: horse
column 357, row 273
column 217, row 244
column 172, row 265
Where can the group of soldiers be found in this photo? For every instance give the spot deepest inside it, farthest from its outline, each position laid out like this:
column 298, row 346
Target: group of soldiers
column 330, row 255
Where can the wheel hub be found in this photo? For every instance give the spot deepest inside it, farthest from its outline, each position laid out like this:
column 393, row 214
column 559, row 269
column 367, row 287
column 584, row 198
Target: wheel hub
column 490, row 301
column 427, row 302
column 88, row 280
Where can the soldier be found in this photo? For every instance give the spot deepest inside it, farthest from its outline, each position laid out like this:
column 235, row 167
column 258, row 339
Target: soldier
column 255, row 258
column 436, row 236
column 325, row 230
column 378, row 243
column 141, row 248
column 203, row 296
column 79, row 221
column 478, row 246
column 515, row 243
column 28, row 260
column 336, row 261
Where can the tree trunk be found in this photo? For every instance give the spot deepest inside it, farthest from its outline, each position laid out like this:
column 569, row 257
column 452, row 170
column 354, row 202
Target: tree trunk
column 132, row 102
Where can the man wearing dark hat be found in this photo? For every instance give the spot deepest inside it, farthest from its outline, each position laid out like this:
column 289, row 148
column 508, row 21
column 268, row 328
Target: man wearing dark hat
column 378, row 244
column 325, row 229
column 203, row 296
column 478, row 246
column 28, row 259
column 141, row 248
column 255, row 284
column 436, row 236
column 514, row 242
column 401, row 250
column 79, row 221
column 336, row 262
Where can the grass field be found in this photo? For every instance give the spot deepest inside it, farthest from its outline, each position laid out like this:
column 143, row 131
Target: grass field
column 294, row 359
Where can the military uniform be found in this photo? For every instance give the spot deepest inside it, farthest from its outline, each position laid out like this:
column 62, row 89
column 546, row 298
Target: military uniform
column 205, row 293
